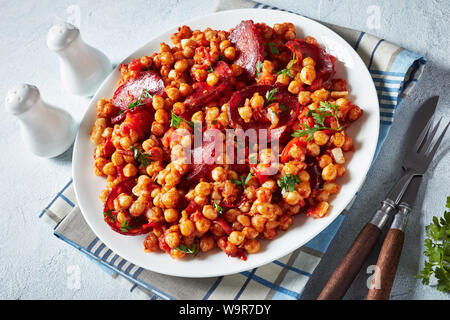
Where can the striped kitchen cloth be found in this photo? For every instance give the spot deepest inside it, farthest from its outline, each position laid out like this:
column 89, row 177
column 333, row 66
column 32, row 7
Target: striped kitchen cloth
column 394, row 71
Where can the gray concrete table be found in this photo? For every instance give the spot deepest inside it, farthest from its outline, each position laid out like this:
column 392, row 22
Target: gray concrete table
column 36, row 265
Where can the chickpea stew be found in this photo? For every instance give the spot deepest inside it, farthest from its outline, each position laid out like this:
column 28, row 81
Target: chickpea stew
column 166, row 177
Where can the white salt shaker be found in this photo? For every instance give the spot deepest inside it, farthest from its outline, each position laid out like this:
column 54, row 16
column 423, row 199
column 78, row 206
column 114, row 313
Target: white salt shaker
column 82, row 67
column 47, row 131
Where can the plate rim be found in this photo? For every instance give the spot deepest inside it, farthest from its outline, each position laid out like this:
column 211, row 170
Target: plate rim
column 245, row 266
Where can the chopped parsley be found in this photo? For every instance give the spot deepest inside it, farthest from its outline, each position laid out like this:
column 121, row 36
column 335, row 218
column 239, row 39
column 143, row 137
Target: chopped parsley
column 270, row 95
column 243, row 180
column 259, row 66
column 139, row 102
column 143, row 158
column 125, row 227
column 287, row 183
column 273, row 49
column 184, row 248
column 319, row 115
column 218, row 208
column 108, row 214
column 437, row 252
column 176, row 120
column 287, row 71
column 210, row 69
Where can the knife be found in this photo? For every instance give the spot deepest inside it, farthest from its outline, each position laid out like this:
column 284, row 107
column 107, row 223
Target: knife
column 355, row 257
column 390, row 252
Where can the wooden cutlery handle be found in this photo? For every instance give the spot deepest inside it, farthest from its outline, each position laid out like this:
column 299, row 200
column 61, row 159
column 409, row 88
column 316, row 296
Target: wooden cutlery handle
column 387, row 263
column 350, row 265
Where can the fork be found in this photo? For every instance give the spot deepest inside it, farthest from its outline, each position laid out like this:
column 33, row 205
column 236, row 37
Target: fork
column 415, row 163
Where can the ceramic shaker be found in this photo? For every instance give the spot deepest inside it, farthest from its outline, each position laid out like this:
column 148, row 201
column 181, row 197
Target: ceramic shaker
column 47, row 131
column 82, row 67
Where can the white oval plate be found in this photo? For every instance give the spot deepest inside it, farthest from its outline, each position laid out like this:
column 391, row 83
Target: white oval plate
column 216, row 263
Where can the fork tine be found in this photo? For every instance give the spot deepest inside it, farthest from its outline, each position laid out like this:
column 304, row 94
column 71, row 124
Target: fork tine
column 430, row 154
column 421, row 138
column 429, row 138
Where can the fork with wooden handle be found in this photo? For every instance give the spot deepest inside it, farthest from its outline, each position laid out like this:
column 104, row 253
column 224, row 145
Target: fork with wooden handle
column 415, row 163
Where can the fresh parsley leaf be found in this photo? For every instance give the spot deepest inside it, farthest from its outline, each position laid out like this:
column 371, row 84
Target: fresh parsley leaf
column 287, row 183
column 287, row 71
column 176, row 120
column 146, row 94
column 259, row 65
column 273, row 48
column 108, row 214
column 143, row 158
column 125, row 227
column 210, row 69
column 243, row 180
column 270, row 95
column 319, row 115
column 184, row 248
column 214, row 122
column 218, row 208
column 282, row 107
column 437, row 252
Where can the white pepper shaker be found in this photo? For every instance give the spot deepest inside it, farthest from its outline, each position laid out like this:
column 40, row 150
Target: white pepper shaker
column 47, row 131
column 82, row 67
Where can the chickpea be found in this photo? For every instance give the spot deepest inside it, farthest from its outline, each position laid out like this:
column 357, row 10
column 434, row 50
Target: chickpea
column 187, row 228
column 354, row 113
column 130, row 170
column 257, row 101
column 294, row 87
column 308, row 74
column 185, row 89
column 230, row 53
column 173, row 94
column 292, row 198
column 319, row 210
column 200, row 75
column 338, row 139
column 209, row 212
column 331, row 187
column 172, row 239
column 109, row 169
column 313, row 149
column 236, row 238
column 97, row 130
column 304, row 189
column 285, row 221
column 166, row 58
column 252, row 246
column 258, row 222
column 171, row 215
column 158, row 129
column 348, row 144
column 151, row 243
column 158, row 102
column 161, row 116
column 250, row 232
column 170, row 198
column 203, row 225
column 181, row 65
column 329, row 173
column 283, row 79
column 212, row 79
column 123, row 201
column 207, row 243
column 123, row 217
column 304, row 176
column 245, row 113
column 236, row 70
column 324, row 160
column 320, row 95
column 321, row 138
column 269, row 233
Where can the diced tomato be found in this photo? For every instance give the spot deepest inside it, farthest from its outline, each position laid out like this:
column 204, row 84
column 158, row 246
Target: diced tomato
column 285, row 153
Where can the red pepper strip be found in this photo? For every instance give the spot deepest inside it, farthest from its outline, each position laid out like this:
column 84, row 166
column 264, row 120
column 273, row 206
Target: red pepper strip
column 285, row 153
column 108, row 149
column 261, row 174
column 163, row 245
column 136, row 225
column 225, row 226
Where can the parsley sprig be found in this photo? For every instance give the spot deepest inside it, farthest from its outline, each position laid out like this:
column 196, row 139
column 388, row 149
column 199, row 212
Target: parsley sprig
column 319, row 115
column 125, row 227
column 242, row 180
column 139, row 102
column 108, row 214
column 259, row 66
column 270, row 95
column 287, row 71
column 143, row 158
column 184, row 248
column 176, row 120
column 218, row 208
column 437, row 251
column 287, row 183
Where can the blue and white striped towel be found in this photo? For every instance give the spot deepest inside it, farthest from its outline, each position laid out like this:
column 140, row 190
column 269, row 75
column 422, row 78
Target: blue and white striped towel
column 394, row 71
